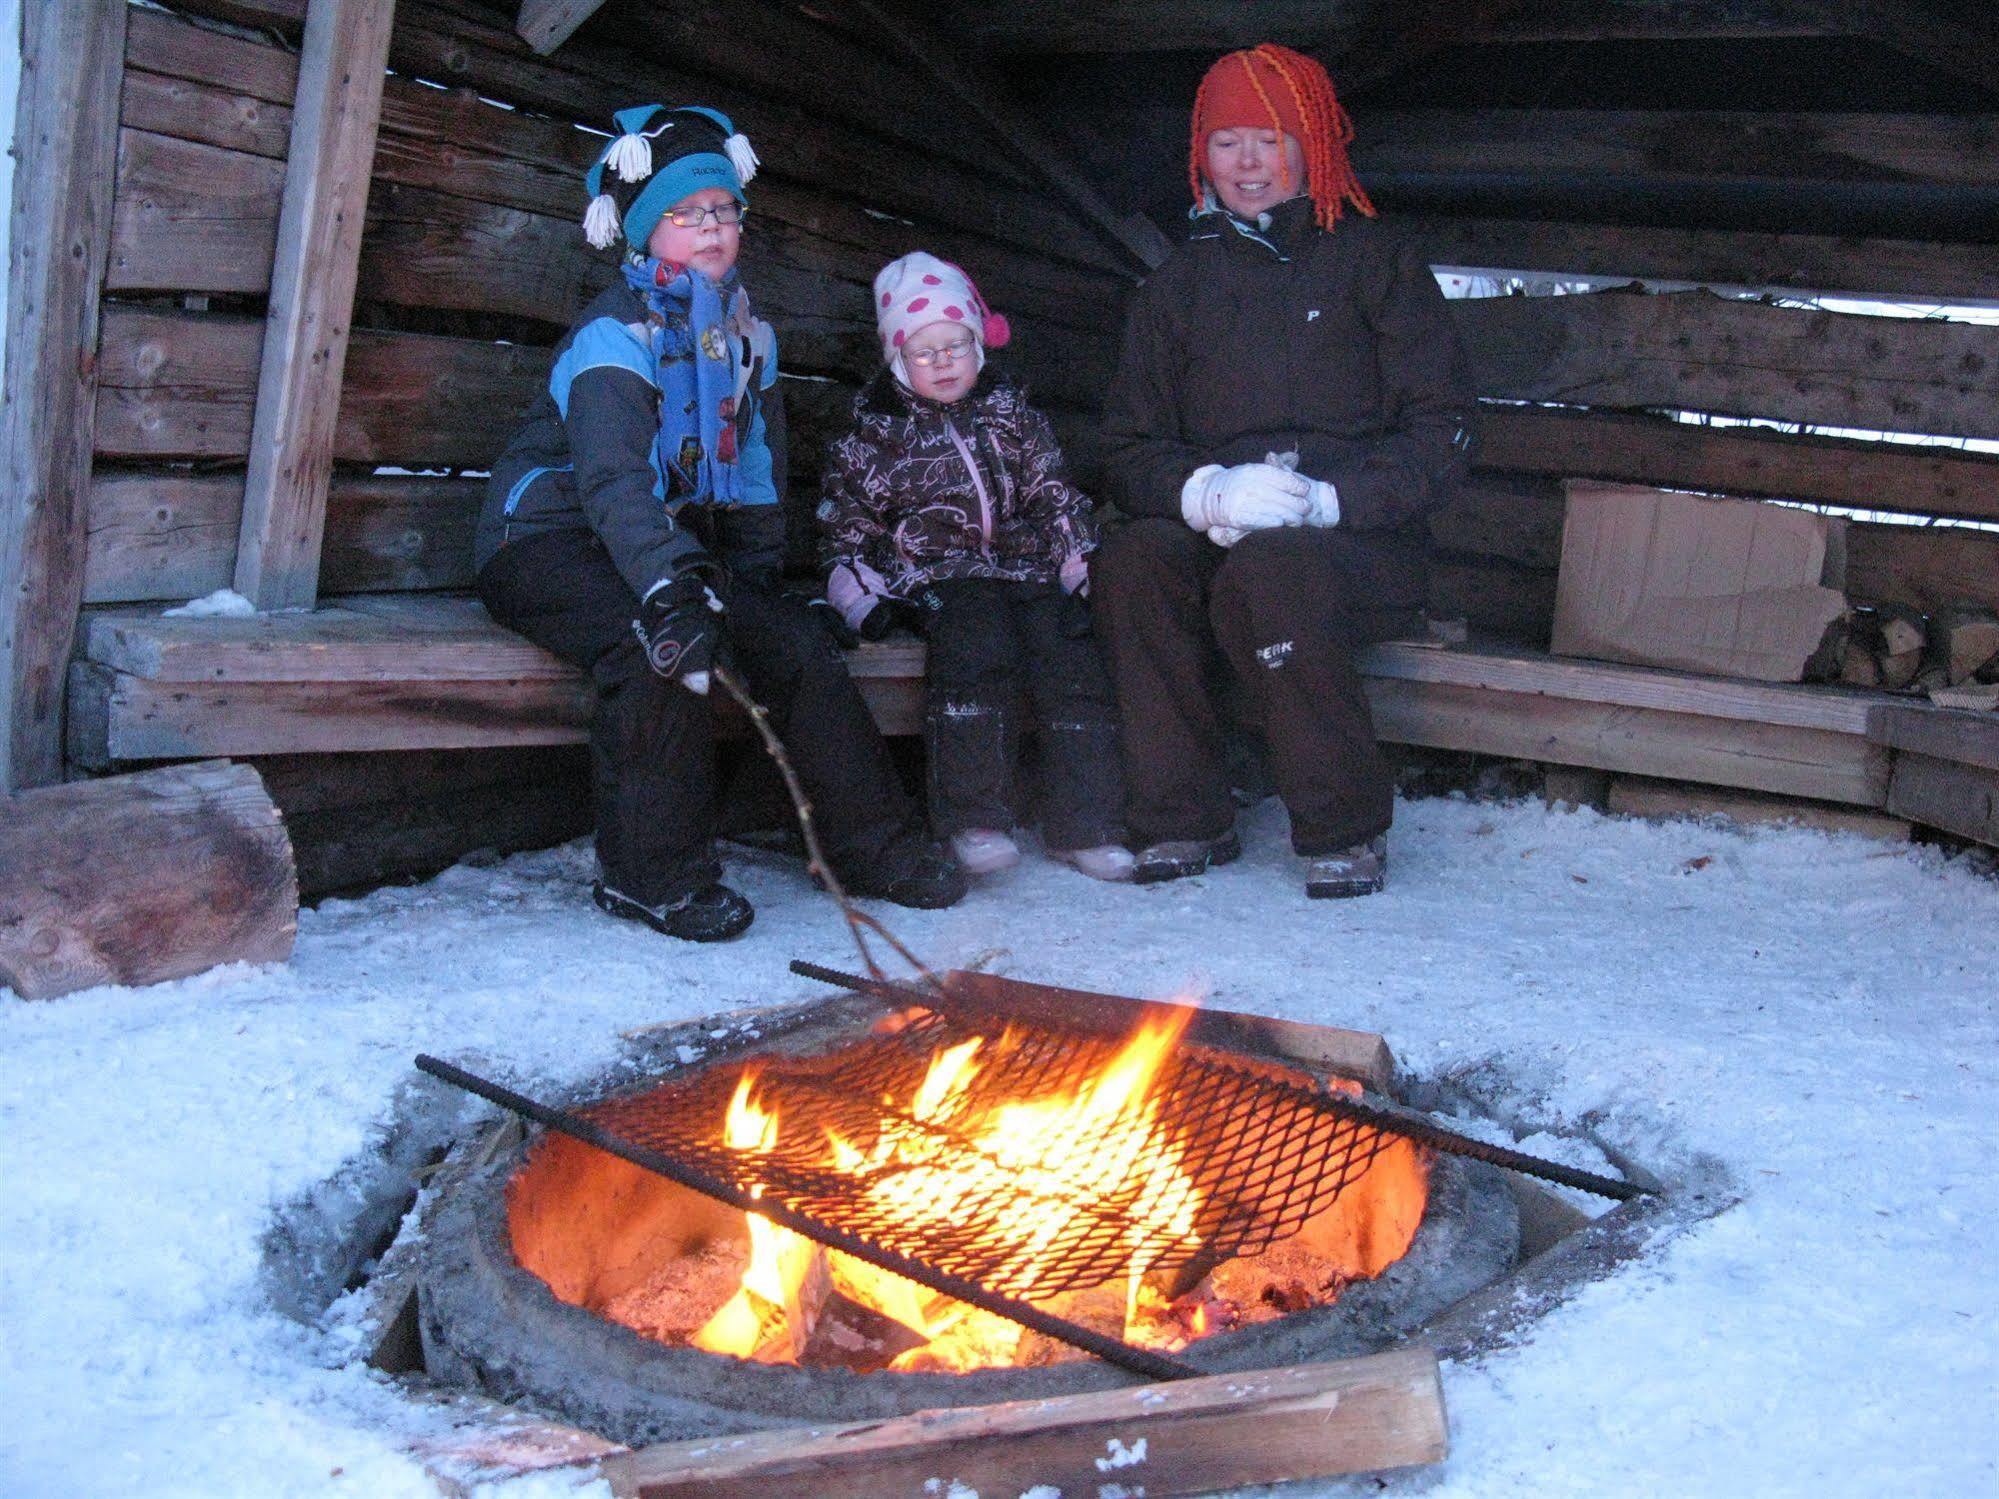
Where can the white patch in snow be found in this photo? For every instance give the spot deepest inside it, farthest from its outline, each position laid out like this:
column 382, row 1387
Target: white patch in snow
column 1120, row 1491
column 1041, row 1491
column 224, row 603
column 1121, row 1456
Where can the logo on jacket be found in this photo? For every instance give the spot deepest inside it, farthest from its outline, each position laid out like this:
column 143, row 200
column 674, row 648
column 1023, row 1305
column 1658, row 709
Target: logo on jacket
column 1274, row 656
column 1314, row 312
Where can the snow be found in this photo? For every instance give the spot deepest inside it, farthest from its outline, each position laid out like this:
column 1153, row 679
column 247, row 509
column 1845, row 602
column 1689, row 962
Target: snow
column 1816, row 1011
column 224, row 603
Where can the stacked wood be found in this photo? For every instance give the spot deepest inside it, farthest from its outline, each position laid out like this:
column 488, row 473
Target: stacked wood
column 139, row 878
column 1895, row 646
column 1964, row 644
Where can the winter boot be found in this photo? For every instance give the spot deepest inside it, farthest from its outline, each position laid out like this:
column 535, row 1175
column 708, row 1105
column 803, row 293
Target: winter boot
column 713, row 914
column 1176, row 858
column 984, row 850
column 914, row 872
column 1107, row 861
column 1360, row 870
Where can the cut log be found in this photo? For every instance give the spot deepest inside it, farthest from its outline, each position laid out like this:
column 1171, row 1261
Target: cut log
column 1964, row 643
column 140, row 878
column 1194, row 1436
column 1641, row 796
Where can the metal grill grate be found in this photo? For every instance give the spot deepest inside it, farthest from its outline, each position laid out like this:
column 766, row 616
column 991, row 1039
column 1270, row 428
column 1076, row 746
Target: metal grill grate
column 1264, row 1155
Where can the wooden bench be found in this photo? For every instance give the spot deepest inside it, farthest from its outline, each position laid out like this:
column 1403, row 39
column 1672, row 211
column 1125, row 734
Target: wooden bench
column 430, row 671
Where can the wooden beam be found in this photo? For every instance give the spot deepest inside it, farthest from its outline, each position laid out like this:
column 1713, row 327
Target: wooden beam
column 1925, row 34
column 1193, row 1436
column 1056, row 26
column 546, row 24
column 1660, row 21
column 1892, row 269
column 1694, row 351
column 1958, row 797
column 1925, row 567
column 59, row 228
column 1403, row 34
column 1705, row 148
column 938, row 54
column 1751, row 461
column 334, row 119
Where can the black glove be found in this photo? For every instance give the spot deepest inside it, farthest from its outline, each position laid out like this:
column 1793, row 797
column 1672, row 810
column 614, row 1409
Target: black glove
column 835, row 623
column 680, row 628
column 913, row 614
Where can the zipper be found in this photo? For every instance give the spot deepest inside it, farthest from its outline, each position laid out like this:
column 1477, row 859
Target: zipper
column 978, row 482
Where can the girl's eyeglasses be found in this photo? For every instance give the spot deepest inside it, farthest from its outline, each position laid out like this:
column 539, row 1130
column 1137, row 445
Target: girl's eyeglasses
column 949, row 353
column 694, row 218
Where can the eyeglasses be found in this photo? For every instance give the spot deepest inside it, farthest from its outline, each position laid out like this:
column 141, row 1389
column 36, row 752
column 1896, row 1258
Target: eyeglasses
column 949, row 353
column 694, row 218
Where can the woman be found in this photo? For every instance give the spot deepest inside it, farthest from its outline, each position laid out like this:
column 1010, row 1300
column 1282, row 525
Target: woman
column 633, row 526
column 1290, row 402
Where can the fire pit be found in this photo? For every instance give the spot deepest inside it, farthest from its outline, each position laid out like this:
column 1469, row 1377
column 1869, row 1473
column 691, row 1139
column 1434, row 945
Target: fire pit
column 1147, row 1174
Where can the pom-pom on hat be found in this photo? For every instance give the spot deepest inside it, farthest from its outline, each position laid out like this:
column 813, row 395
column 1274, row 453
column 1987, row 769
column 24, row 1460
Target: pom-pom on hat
column 659, row 156
column 919, row 290
column 1269, row 87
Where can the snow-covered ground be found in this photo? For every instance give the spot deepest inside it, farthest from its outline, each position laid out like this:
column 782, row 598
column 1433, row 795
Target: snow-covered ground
column 1819, row 1012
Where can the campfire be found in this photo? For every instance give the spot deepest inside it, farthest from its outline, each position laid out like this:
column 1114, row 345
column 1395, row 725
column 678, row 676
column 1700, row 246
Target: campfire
column 1148, row 1191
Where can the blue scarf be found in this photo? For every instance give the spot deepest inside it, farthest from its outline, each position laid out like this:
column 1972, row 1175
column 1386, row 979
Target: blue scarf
column 701, row 346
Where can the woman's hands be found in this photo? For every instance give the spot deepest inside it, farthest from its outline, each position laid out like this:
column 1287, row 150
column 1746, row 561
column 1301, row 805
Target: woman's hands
column 1229, row 503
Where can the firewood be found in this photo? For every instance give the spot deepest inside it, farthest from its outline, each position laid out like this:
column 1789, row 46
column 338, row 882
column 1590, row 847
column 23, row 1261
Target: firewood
column 848, row 1335
column 138, row 878
column 1861, row 665
column 1193, row 1436
column 1964, row 644
column 1902, row 639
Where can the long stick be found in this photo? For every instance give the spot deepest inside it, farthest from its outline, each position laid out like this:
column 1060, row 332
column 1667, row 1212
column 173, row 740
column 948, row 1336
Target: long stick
column 1111, row 1350
column 859, row 922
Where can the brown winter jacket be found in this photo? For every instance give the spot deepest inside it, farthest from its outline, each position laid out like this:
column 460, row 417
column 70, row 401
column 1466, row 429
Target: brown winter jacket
column 1334, row 345
column 900, row 507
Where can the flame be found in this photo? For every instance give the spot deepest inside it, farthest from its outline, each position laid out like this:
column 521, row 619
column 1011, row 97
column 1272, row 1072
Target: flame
column 1101, row 1141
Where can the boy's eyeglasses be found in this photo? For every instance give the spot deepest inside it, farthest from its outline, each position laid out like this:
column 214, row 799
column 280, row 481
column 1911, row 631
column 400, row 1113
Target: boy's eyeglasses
column 694, row 218
column 949, row 353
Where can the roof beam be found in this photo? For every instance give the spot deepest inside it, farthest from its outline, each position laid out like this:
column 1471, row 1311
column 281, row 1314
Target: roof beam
column 1404, row 34
column 546, row 24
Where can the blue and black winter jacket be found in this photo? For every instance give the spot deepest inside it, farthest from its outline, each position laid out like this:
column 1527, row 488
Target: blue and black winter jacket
column 587, row 458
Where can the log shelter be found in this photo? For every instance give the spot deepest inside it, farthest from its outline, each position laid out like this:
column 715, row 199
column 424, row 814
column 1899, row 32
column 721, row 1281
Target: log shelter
column 284, row 272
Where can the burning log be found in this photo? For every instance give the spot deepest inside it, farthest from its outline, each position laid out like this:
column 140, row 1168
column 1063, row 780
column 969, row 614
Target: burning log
column 1195, row 1436
column 137, row 878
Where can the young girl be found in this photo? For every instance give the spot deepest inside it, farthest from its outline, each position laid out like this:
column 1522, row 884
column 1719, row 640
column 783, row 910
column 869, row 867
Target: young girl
column 633, row 527
column 948, row 507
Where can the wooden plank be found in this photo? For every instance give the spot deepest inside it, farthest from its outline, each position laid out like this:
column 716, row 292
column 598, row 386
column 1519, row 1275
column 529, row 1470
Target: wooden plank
column 1750, row 461
column 1190, row 1436
column 1948, row 794
column 334, row 119
column 162, row 43
column 192, row 217
column 1360, row 1055
column 1659, row 21
column 1403, row 34
column 546, row 24
column 1925, row 567
column 1893, row 269
column 1665, row 147
column 1697, row 351
column 1967, row 737
column 1834, row 710
column 1139, row 26
column 182, row 385
column 1820, row 763
column 213, row 114
column 173, row 536
column 1641, row 796
column 59, row 233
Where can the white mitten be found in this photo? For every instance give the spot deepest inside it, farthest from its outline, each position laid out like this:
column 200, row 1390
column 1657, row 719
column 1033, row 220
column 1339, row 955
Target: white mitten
column 1325, row 510
column 1226, row 536
column 1247, row 497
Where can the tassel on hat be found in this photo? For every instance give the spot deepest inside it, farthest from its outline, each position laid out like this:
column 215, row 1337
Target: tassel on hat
column 600, row 222
column 630, row 160
column 742, row 156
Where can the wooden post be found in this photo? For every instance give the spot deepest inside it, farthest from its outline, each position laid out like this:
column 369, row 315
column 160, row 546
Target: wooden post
column 334, row 119
column 546, row 24
column 65, row 145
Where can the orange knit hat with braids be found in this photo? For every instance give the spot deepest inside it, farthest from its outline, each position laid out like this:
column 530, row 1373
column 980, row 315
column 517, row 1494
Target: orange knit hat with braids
column 1273, row 88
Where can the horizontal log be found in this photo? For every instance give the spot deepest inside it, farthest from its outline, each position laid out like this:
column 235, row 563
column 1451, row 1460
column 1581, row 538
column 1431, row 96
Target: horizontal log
column 1900, row 477
column 141, row 878
column 1948, row 794
column 1894, row 269
column 1926, row 567
column 1517, row 517
column 1641, row 796
column 1192, row 1436
column 172, row 536
column 1700, row 352
column 178, row 385
column 1968, row 738
column 1708, row 148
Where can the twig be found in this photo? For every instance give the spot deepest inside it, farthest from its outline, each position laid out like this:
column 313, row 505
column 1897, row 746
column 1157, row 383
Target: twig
column 859, row 922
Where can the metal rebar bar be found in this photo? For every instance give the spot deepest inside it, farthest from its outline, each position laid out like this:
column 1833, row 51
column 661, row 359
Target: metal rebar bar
column 1410, row 1126
column 1111, row 1350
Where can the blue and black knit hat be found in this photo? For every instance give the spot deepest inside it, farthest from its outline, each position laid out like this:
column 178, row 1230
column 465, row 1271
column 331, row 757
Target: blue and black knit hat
column 658, row 157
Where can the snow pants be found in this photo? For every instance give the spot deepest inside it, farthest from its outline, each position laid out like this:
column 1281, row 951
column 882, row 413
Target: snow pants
column 1284, row 610
column 992, row 644
column 652, row 742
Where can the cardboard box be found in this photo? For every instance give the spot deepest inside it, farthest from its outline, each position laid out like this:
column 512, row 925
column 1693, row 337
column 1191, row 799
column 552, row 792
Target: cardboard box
column 1736, row 587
